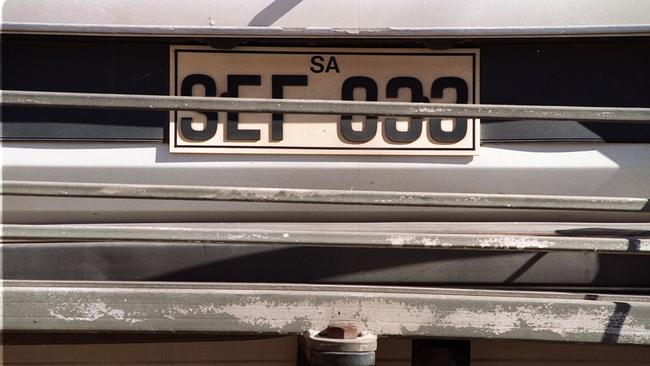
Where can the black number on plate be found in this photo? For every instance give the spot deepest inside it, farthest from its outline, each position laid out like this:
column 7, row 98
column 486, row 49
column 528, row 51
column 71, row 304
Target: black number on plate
column 232, row 126
column 369, row 129
column 278, row 82
column 415, row 125
column 460, row 124
column 210, row 128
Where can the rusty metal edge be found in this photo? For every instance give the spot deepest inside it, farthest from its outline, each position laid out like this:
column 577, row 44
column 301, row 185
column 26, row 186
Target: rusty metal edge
column 37, row 306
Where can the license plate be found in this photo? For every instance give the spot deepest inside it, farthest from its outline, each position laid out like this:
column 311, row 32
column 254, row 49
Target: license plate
column 333, row 74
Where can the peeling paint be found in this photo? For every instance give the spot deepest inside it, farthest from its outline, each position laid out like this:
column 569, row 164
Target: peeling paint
column 265, row 313
column 394, row 318
column 91, row 311
column 427, row 241
column 248, row 236
column 279, row 310
column 515, row 242
column 400, row 239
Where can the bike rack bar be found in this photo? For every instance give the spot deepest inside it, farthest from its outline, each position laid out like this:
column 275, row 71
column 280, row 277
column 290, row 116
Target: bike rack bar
column 613, row 30
column 323, row 196
column 326, row 238
column 305, row 106
column 273, row 309
column 270, row 309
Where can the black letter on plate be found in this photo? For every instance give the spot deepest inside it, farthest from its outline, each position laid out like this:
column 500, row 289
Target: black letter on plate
column 347, row 93
column 186, row 123
column 278, row 83
column 317, row 66
column 232, row 126
column 460, row 125
column 415, row 125
column 332, row 65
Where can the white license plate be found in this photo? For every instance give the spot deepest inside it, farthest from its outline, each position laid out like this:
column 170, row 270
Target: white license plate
column 335, row 74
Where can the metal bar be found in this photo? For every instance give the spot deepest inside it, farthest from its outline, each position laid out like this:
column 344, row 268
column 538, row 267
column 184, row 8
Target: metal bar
column 614, row 30
column 38, row 306
column 322, row 196
column 569, row 229
column 325, row 238
column 305, row 106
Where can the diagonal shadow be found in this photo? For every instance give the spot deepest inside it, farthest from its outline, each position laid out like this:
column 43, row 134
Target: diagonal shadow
column 633, row 245
column 273, row 12
column 616, row 321
column 605, row 232
column 525, row 267
column 313, row 264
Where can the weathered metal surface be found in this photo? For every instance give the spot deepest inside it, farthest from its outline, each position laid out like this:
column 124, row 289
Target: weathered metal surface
column 333, row 238
column 306, row 106
column 563, row 169
column 334, row 18
column 623, row 30
column 322, row 196
column 290, row 309
column 569, row 229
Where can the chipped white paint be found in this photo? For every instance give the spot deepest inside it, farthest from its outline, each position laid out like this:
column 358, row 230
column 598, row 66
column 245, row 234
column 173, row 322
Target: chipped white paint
column 502, row 320
column 430, row 241
column 543, row 318
column 248, row 236
column 393, row 318
column 425, row 240
column 180, row 310
column 91, row 311
column 258, row 312
column 390, row 317
column 519, row 242
column 401, row 239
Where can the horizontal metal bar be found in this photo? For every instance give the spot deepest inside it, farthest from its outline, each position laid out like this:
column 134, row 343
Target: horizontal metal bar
column 38, row 306
column 569, row 229
column 322, row 196
column 326, row 238
column 614, row 30
column 305, row 106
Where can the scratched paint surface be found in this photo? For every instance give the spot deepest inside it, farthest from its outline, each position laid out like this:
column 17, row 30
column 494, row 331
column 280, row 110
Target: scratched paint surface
column 282, row 311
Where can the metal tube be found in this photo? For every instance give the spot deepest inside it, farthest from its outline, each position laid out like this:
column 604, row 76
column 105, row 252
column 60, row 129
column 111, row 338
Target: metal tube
column 323, row 196
column 304, row 106
column 326, row 238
